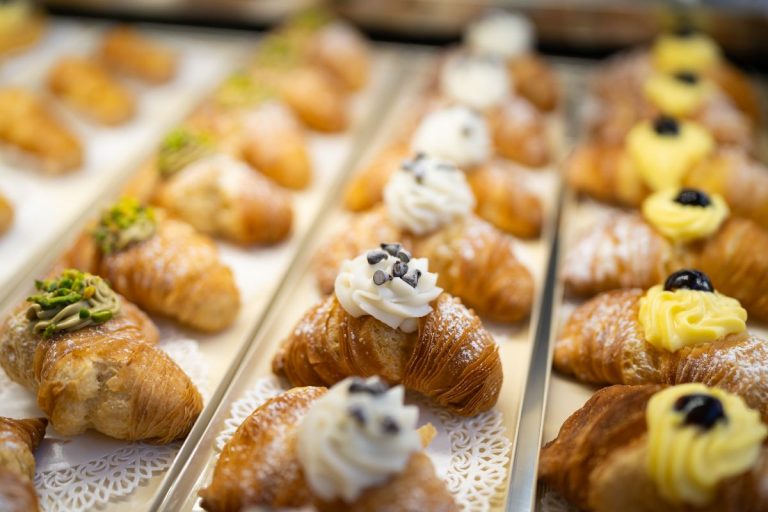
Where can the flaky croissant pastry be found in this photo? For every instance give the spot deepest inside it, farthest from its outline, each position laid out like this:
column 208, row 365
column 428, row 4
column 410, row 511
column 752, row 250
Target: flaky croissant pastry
column 126, row 51
column 18, row 441
column 315, row 97
column 161, row 264
column 92, row 363
column 600, row 458
column 27, row 123
column 6, row 214
column 87, row 87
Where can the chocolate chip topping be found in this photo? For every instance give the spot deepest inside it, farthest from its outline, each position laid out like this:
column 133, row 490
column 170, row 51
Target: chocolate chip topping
column 390, row 426
column 375, row 388
column 688, row 279
column 466, row 131
column 701, row 410
column 664, row 125
column 404, row 256
column 358, row 414
column 391, row 249
column 687, row 77
column 693, row 197
column 374, row 257
column 399, row 269
column 380, row 277
column 413, row 278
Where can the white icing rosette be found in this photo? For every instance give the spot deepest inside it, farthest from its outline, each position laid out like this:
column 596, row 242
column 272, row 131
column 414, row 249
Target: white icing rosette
column 457, row 134
column 480, row 82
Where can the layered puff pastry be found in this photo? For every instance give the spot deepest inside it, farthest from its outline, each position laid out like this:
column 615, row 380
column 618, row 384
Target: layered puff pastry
column 161, row 264
column 458, row 135
column 388, row 317
column 648, row 448
column 89, row 356
column 6, row 214
column 18, row 441
column 678, row 228
column 85, row 85
column 428, row 208
column 668, row 153
column 354, row 447
column 20, row 26
column 127, row 52
column 28, row 123
column 679, row 332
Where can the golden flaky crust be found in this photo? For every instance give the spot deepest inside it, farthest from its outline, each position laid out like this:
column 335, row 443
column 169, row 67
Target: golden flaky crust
column 474, row 261
column 176, row 273
column 23, row 35
column 603, row 343
column 17, row 493
column 259, row 465
column 315, row 96
column 109, row 377
column 451, row 359
column 536, row 81
column 626, row 252
column 28, row 123
column 126, row 51
column 598, row 461
column 520, row 133
column 342, row 51
column 18, row 441
column 6, row 214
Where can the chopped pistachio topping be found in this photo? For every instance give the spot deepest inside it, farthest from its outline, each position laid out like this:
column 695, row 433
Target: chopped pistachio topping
column 242, row 90
column 72, row 301
column 181, row 147
column 279, row 50
column 127, row 222
column 310, row 19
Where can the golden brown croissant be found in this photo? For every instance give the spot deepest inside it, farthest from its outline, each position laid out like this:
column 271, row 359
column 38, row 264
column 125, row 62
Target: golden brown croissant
column 126, row 51
column 27, row 123
column 22, row 27
column 107, row 376
column 176, row 272
column 342, row 50
column 603, row 343
column 627, row 252
column 536, row 81
column 221, row 196
column 18, row 440
column 6, row 214
column 520, row 133
column 88, row 88
column 315, row 97
column 328, row 345
column 598, row 461
column 473, row 260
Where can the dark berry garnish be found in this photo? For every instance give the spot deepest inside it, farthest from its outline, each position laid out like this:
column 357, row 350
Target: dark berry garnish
column 374, row 388
column 358, row 414
column 404, row 256
column 392, row 249
column 376, row 256
column 390, row 426
column 665, row 125
column 380, row 277
column 701, row 410
column 693, row 197
column 687, row 77
column 688, row 279
column 399, row 269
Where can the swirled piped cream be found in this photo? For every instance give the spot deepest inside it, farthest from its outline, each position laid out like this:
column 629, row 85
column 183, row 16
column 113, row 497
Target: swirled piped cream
column 426, row 194
column 681, row 219
column 500, row 33
column 680, row 94
column 688, row 51
column 697, row 437
column 479, row 82
column 665, row 149
column 388, row 285
column 457, row 134
column 358, row 435
column 673, row 319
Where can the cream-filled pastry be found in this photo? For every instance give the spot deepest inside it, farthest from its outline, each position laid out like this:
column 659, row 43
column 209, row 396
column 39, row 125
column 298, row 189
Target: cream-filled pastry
column 456, row 133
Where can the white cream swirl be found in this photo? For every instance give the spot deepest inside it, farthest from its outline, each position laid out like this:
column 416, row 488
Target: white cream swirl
column 479, row 82
column 388, row 285
column 356, row 436
column 456, row 133
column 501, row 33
column 426, row 194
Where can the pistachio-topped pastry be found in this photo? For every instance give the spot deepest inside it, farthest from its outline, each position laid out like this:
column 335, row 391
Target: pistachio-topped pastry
column 685, row 50
column 478, row 82
column 389, row 285
column 687, row 311
column 70, row 302
column 126, row 223
column 678, row 94
column 457, row 134
column 242, row 90
column 665, row 149
column 697, row 437
column 180, row 147
column 685, row 214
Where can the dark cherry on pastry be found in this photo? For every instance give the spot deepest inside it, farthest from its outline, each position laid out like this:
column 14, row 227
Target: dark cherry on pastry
column 701, row 410
column 689, row 279
column 665, row 125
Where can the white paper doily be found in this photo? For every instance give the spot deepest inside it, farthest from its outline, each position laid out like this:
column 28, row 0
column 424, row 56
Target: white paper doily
column 470, row 454
column 85, row 472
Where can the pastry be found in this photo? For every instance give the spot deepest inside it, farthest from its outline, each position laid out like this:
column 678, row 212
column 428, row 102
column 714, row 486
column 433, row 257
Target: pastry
column 6, row 214
column 128, row 52
column 18, row 441
column 388, row 317
column 20, row 26
column 678, row 228
column 428, row 206
column 458, row 135
column 161, row 264
column 86, row 86
column 679, row 332
column 28, row 124
column 89, row 356
column 670, row 153
column 352, row 448
column 648, row 448
column 221, row 196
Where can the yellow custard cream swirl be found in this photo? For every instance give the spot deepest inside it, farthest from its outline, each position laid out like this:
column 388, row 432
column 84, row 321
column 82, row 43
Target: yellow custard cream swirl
column 698, row 436
column 675, row 319
column 680, row 94
column 689, row 52
column 681, row 222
